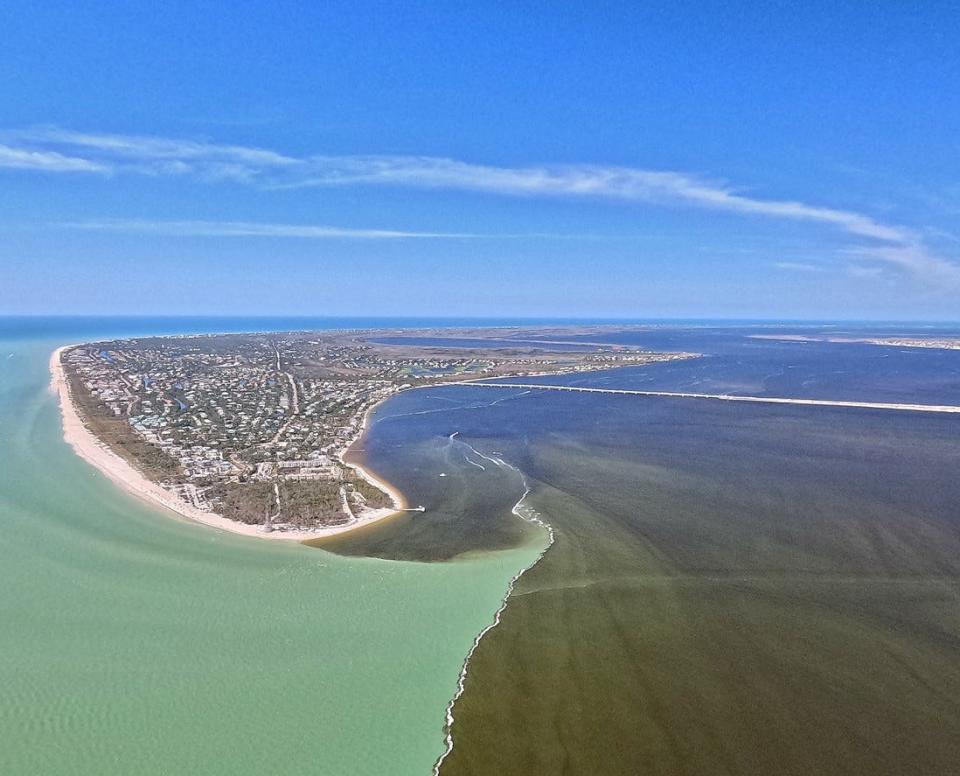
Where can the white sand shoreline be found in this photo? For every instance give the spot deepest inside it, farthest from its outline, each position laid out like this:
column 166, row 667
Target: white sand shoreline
column 122, row 473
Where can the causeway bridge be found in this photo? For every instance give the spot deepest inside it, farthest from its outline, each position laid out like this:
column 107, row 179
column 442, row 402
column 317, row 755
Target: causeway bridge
column 941, row 408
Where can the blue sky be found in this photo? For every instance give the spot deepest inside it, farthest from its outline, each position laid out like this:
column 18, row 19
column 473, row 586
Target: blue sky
column 775, row 160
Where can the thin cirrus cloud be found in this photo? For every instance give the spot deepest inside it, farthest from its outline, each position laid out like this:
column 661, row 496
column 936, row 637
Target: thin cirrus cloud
column 251, row 229
column 58, row 150
column 158, row 156
column 48, row 161
column 798, row 266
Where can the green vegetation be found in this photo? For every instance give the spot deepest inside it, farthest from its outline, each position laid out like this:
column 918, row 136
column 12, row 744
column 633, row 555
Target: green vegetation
column 116, row 433
column 248, row 502
column 373, row 496
column 316, row 502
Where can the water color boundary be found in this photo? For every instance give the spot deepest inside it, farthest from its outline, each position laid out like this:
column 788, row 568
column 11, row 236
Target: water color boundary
column 98, row 454
column 120, row 471
column 517, row 510
column 531, row 516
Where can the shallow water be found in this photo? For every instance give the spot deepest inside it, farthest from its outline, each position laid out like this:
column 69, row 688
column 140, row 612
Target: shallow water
column 135, row 643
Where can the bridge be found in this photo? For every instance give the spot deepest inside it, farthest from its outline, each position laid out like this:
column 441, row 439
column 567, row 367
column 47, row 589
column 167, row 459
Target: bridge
column 942, row 408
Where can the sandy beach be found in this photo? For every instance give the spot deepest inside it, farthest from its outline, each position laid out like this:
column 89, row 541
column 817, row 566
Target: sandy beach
column 122, row 473
column 399, row 502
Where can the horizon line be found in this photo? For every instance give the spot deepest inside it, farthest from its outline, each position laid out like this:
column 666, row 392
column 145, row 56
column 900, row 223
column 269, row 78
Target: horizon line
column 427, row 317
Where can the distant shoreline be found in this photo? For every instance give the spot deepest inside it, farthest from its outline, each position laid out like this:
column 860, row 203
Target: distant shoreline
column 122, row 473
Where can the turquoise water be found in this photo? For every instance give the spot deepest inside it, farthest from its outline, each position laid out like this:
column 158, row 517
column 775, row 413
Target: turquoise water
column 135, row 643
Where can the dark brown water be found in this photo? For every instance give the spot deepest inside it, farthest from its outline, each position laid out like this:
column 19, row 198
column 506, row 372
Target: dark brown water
column 732, row 589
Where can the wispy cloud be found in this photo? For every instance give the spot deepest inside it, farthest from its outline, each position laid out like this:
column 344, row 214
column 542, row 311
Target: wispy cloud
column 46, row 161
column 251, row 229
column 55, row 149
column 914, row 259
column 156, row 155
column 149, row 155
column 627, row 183
column 860, row 271
column 798, row 266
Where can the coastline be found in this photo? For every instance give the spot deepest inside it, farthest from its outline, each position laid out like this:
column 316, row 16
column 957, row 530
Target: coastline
column 123, row 474
column 398, row 499
column 531, row 516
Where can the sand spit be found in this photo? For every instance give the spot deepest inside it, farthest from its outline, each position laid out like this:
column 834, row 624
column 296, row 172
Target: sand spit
column 85, row 444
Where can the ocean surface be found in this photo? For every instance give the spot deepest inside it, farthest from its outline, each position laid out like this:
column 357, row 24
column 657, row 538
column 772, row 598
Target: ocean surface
column 731, row 589
column 132, row 642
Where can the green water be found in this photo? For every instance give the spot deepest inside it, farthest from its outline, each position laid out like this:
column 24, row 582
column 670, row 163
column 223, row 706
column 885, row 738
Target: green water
column 134, row 643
